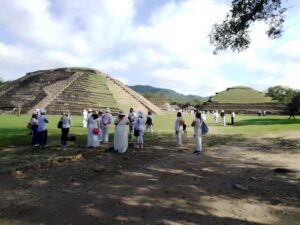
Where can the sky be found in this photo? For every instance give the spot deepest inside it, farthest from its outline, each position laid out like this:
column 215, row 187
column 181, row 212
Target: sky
column 162, row 43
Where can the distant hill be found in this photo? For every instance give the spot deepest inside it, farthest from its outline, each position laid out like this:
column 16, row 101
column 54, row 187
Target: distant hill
column 240, row 94
column 171, row 95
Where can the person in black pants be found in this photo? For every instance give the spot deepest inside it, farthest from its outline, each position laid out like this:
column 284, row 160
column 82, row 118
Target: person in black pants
column 66, row 123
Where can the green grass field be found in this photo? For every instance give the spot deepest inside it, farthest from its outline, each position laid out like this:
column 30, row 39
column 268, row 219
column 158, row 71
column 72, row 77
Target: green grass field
column 13, row 131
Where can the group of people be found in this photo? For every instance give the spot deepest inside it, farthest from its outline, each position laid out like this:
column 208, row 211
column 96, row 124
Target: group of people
column 99, row 123
column 222, row 114
column 38, row 126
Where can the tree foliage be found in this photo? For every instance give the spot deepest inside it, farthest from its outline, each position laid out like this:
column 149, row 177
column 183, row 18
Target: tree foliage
column 233, row 32
column 282, row 94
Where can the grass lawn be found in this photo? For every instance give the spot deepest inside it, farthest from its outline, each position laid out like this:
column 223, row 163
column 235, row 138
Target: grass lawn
column 13, row 131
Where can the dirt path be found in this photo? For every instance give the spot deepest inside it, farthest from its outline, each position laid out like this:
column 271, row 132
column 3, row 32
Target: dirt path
column 230, row 183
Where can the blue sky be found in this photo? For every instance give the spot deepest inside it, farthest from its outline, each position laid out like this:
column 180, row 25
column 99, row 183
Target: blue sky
column 162, row 43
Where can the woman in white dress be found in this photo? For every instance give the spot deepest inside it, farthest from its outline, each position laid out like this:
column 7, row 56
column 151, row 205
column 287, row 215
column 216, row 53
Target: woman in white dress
column 121, row 133
column 197, row 124
column 93, row 131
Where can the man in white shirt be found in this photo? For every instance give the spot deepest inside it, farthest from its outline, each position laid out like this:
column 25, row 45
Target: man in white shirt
column 106, row 121
column 42, row 128
column 131, row 117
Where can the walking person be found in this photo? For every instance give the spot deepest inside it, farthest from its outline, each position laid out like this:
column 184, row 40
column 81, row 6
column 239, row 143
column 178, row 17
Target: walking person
column 149, row 123
column 42, row 128
column 121, row 134
column 65, row 127
column 223, row 117
column 93, row 126
column 232, row 117
column 178, row 129
column 131, row 118
column 197, row 123
column 216, row 117
column 292, row 114
column 138, row 130
column 106, row 121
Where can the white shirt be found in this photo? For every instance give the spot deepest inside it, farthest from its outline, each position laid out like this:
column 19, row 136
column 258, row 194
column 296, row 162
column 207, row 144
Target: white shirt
column 131, row 117
column 42, row 122
column 66, row 122
column 178, row 127
column 139, row 123
column 233, row 114
column 85, row 114
column 197, row 127
column 106, row 120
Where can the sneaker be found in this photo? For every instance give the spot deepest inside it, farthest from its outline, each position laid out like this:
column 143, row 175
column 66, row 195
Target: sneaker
column 136, row 146
column 196, row 152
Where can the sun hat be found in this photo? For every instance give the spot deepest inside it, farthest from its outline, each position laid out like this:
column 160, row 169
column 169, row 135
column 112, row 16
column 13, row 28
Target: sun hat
column 121, row 113
column 107, row 110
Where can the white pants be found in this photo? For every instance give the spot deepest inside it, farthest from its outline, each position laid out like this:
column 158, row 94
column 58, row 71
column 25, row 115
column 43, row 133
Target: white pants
column 178, row 138
column 105, row 133
column 84, row 122
column 216, row 120
column 224, row 121
column 139, row 140
column 198, row 143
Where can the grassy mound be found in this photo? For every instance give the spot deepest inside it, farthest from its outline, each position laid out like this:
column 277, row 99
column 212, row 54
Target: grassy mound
column 241, row 95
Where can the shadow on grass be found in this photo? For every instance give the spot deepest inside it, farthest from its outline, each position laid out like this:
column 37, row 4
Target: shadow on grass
column 150, row 187
column 267, row 121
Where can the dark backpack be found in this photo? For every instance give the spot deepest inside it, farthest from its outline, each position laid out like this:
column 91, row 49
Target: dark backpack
column 149, row 120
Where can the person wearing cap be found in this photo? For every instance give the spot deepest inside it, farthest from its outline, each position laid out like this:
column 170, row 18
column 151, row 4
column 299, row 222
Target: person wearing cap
column 106, row 121
column 138, row 130
column 131, row 118
column 42, row 128
column 93, row 126
column 66, row 124
column 121, row 135
column 85, row 117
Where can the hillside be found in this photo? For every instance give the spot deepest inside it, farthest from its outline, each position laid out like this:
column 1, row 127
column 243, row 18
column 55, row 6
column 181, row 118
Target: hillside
column 170, row 95
column 240, row 95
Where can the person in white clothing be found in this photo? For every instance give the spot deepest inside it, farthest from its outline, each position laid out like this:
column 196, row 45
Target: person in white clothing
column 216, row 116
column 131, row 118
column 178, row 129
column 197, row 124
column 93, row 130
column 85, row 117
column 138, row 130
column 121, row 135
column 106, row 121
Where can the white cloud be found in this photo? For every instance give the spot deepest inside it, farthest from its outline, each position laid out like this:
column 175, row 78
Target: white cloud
column 172, row 50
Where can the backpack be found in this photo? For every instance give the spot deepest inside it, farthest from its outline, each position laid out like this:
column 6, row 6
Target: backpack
column 149, row 120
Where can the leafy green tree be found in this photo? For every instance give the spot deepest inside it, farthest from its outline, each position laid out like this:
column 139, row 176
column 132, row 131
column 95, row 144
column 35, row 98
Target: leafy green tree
column 282, row 94
column 234, row 31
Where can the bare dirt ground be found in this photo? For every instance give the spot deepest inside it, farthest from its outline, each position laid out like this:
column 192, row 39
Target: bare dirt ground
column 235, row 181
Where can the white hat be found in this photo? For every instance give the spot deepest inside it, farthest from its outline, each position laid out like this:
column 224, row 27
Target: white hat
column 141, row 114
column 107, row 110
column 121, row 113
column 43, row 111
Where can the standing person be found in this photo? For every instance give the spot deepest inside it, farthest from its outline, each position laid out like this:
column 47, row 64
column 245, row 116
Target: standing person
column 178, row 129
column 66, row 124
column 34, row 127
column 121, row 135
column 93, row 126
column 149, row 123
column 232, row 117
column 100, row 113
column 106, row 121
column 216, row 117
column 85, row 117
column 197, row 123
column 138, row 130
column 42, row 128
column 131, row 118
column 223, row 118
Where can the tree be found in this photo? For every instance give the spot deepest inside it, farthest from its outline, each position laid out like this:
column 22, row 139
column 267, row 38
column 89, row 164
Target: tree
column 234, row 31
column 282, row 94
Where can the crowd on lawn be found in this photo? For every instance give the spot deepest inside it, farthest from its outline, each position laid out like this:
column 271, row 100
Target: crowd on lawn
column 98, row 125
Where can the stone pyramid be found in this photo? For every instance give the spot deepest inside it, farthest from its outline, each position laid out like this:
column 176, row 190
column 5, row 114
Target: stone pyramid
column 72, row 89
